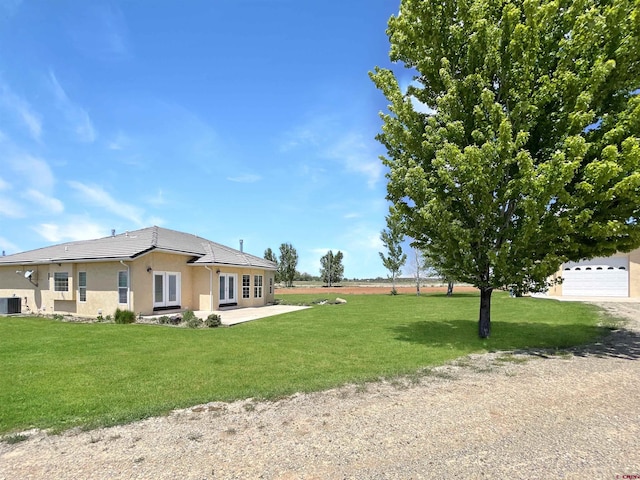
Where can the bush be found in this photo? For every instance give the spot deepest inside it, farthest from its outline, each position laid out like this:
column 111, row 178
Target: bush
column 190, row 320
column 214, row 320
column 164, row 320
column 124, row 316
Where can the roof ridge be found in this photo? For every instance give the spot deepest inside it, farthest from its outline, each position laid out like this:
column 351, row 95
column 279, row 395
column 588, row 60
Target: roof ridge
column 154, row 236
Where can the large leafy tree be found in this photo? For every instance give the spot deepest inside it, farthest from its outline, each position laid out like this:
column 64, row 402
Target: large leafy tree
column 287, row 264
column 391, row 238
column 515, row 147
column 269, row 255
column 331, row 268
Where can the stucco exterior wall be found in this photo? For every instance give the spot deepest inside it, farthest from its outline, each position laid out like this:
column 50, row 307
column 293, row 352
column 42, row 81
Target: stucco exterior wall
column 34, row 298
column 102, row 296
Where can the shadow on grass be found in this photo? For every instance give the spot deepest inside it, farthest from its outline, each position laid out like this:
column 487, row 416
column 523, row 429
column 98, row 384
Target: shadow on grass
column 538, row 339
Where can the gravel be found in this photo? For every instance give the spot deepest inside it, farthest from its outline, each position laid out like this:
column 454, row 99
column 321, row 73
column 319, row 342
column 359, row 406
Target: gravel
column 521, row 415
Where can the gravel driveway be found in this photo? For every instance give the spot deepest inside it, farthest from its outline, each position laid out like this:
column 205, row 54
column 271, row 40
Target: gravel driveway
column 502, row 416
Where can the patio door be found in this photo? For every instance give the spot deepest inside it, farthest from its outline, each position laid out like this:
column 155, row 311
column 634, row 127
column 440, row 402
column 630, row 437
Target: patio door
column 228, row 286
column 166, row 289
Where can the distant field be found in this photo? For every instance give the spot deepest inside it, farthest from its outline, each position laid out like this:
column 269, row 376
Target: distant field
column 359, row 288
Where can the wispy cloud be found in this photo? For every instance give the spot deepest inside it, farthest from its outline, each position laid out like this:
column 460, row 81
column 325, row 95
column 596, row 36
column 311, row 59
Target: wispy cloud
column 156, row 200
column 8, row 247
column 34, row 172
column 76, row 116
column 246, row 178
column 21, row 109
column 75, row 228
column 357, row 155
column 119, row 142
column 97, row 196
column 102, row 34
column 330, row 139
column 10, row 208
column 45, row 203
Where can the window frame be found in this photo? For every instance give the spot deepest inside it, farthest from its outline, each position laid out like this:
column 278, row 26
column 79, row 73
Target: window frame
column 123, row 289
column 257, row 286
column 246, row 285
column 82, row 287
column 59, row 281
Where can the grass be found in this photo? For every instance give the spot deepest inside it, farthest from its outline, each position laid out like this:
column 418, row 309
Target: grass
column 60, row 375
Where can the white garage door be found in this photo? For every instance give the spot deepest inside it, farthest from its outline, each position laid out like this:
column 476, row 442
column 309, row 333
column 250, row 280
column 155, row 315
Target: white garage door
column 598, row 277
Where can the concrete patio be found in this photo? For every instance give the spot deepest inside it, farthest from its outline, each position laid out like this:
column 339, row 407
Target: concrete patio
column 234, row 316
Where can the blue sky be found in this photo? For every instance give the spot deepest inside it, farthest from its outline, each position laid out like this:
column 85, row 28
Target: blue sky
column 228, row 119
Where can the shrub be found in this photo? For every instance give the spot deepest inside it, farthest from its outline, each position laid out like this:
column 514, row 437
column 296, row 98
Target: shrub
column 190, row 320
column 164, row 320
column 124, row 316
column 213, row 320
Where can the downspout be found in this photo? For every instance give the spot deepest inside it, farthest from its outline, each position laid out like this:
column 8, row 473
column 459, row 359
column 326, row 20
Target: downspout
column 128, row 285
column 210, row 288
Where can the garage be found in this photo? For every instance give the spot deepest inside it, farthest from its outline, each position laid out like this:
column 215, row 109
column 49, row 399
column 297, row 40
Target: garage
column 598, row 277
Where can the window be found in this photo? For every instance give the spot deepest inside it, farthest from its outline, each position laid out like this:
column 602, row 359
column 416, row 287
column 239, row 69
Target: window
column 123, row 287
column 257, row 286
column 82, row 286
column 246, row 286
column 61, row 281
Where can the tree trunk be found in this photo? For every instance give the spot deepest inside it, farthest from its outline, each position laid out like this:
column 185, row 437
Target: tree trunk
column 449, row 288
column 484, row 323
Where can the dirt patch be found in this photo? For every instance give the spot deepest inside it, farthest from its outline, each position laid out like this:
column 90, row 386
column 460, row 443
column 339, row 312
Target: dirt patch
column 370, row 290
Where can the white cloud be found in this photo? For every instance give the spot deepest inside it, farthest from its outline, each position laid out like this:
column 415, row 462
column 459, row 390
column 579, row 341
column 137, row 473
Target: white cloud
column 4, row 185
column 327, row 136
column 22, row 110
column 7, row 247
column 9, row 208
column 246, row 178
column 97, row 196
column 35, row 172
column 357, row 155
column 77, row 117
column 46, row 203
column 76, row 228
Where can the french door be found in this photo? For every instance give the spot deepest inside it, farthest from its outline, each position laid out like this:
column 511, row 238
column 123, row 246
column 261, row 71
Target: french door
column 228, row 287
column 166, row 289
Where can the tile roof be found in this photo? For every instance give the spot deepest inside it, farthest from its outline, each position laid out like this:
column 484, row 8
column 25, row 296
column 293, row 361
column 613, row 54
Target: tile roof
column 129, row 245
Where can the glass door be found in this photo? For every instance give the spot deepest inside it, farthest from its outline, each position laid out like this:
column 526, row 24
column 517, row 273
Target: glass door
column 166, row 289
column 228, row 288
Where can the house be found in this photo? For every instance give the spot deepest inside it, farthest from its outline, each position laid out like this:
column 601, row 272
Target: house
column 615, row 276
column 146, row 271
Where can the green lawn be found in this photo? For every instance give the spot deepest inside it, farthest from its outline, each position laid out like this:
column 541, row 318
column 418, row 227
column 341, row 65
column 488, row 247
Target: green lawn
column 59, row 375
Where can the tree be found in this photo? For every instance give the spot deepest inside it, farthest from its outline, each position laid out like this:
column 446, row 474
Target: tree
column 516, row 147
column 288, row 263
column 431, row 263
column 416, row 266
column 392, row 238
column 331, row 269
column 269, row 255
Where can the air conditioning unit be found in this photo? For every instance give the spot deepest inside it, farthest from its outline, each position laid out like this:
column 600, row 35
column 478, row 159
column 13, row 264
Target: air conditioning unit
column 10, row 305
